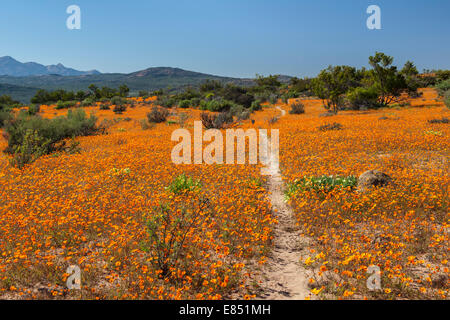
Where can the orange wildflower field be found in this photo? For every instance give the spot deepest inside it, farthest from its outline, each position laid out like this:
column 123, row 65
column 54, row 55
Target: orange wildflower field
column 95, row 209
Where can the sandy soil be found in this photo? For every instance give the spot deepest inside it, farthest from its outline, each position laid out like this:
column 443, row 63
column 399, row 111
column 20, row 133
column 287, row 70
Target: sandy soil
column 284, row 277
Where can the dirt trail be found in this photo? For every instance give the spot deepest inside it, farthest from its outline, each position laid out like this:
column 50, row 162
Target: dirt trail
column 283, row 277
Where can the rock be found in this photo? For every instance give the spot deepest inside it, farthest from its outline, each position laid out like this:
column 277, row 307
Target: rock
column 373, row 178
column 439, row 280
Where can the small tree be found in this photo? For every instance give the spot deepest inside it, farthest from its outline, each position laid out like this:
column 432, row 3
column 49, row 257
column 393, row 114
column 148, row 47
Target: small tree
column 332, row 83
column 388, row 82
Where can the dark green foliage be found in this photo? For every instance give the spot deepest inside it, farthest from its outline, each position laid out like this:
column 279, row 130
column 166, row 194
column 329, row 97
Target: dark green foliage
column 218, row 105
column 166, row 101
column 256, row 106
column 386, row 79
column 6, row 100
column 119, row 104
column 363, row 98
column 447, row 99
column 270, row 83
column 4, row 117
column 48, row 97
column 185, row 104
column 33, row 136
column 238, row 95
column 34, row 109
column 332, row 83
column 443, row 87
column 66, row 104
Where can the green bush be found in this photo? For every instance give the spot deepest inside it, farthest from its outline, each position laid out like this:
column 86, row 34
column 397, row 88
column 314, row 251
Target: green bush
column 33, row 146
column 34, row 109
column 168, row 227
column 184, row 104
column 88, row 102
column 183, row 184
column 322, row 184
column 443, row 87
column 363, row 98
column 166, row 102
column 118, row 101
column 447, row 99
column 219, row 105
column 50, row 131
column 4, row 117
column 256, row 106
column 65, row 104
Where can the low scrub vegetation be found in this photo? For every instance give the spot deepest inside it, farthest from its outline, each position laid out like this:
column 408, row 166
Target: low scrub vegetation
column 331, row 127
column 297, row 108
column 30, row 137
column 216, row 121
column 322, row 184
column 157, row 115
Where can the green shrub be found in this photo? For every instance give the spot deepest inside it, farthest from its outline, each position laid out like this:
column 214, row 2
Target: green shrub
column 118, row 101
column 168, row 229
column 443, row 87
column 33, row 146
column 218, row 105
column 184, row 104
column 65, row 104
column 183, row 184
column 447, row 99
column 119, row 109
column 88, row 102
column 34, row 109
column 4, row 117
column 322, row 184
column 166, row 102
column 273, row 99
column 363, row 98
column 50, row 131
column 256, row 106
column 297, row 108
column 158, row 115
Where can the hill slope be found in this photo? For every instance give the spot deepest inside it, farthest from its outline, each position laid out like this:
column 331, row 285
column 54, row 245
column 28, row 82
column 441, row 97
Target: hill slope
column 149, row 79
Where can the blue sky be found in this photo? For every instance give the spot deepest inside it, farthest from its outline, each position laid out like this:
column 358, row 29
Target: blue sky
column 225, row 37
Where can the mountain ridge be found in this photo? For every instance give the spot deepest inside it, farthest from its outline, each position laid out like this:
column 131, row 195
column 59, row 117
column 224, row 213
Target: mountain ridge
column 11, row 67
column 150, row 79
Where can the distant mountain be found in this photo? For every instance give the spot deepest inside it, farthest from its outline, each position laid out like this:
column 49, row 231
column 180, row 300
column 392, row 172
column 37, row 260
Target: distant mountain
column 11, row 67
column 149, row 79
